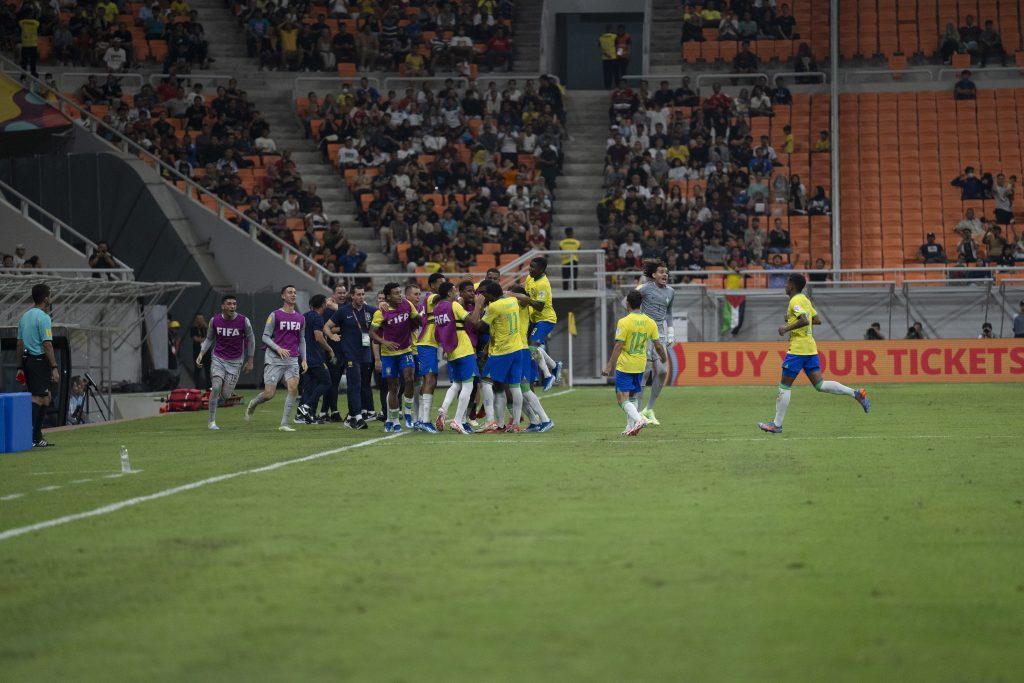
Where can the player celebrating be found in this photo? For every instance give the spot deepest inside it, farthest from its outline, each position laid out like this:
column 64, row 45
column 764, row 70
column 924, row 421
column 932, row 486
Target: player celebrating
column 803, row 355
column 450, row 330
column 392, row 328
column 539, row 420
column 427, row 349
column 504, row 364
column 284, row 344
column 657, row 306
column 629, row 358
column 542, row 320
column 230, row 335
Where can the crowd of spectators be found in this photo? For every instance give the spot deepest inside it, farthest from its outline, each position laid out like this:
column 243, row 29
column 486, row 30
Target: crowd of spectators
column 106, row 34
column 418, row 39
column 439, row 173
column 982, row 44
column 738, row 20
column 665, row 141
column 223, row 143
column 19, row 259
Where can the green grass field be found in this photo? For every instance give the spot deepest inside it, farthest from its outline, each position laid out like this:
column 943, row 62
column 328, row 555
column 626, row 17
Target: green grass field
column 886, row 547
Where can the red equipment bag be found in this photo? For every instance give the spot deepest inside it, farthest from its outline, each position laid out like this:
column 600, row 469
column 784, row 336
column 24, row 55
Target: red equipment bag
column 186, row 399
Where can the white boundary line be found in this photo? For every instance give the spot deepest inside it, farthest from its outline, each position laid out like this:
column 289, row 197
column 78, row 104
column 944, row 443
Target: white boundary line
column 114, row 507
column 557, row 393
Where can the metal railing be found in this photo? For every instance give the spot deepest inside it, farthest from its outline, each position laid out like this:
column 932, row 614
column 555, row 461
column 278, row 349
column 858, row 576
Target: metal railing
column 72, row 80
column 121, row 274
column 192, row 189
column 189, row 79
column 300, row 89
column 869, row 75
column 61, row 231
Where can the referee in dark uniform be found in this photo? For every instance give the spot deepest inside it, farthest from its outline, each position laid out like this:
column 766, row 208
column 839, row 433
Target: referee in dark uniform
column 35, row 354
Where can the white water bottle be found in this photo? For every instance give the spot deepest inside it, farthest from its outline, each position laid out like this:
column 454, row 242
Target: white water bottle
column 126, row 467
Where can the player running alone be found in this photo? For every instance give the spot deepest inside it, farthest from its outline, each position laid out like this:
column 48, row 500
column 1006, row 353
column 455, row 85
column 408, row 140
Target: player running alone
column 230, row 336
column 392, row 327
column 284, row 344
column 803, row 355
column 542, row 321
column 633, row 333
column 657, row 305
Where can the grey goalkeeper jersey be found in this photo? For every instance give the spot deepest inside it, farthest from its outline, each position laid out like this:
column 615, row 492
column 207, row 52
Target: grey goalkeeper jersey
column 657, row 303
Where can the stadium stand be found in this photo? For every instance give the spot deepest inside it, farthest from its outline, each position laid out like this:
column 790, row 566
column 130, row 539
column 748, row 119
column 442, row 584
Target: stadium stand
column 449, row 180
column 778, row 32
column 899, row 185
column 721, row 184
column 411, row 40
column 949, row 31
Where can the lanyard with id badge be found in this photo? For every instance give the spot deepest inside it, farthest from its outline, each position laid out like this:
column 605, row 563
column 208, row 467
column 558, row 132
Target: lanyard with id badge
column 356, row 315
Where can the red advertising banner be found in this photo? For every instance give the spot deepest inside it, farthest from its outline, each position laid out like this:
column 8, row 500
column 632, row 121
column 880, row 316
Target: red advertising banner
column 868, row 362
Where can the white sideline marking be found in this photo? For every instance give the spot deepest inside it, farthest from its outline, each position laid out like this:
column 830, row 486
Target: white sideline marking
column 12, row 496
column 558, row 393
column 80, row 481
column 48, row 488
column 114, row 507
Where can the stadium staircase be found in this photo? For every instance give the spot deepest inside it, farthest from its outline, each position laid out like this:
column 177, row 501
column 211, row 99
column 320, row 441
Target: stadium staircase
column 579, row 186
column 666, row 31
column 272, row 93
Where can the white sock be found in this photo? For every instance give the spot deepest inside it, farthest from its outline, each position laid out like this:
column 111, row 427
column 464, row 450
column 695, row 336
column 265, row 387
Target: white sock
column 517, row 405
column 449, row 397
column 500, row 402
column 781, row 404
column 547, row 359
column 536, row 406
column 830, row 387
column 632, row 414
column 488, row 390
column 465, row 393
column 426, row 405
column 541, row 364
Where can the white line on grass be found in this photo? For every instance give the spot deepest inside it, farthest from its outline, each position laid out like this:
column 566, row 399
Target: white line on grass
column 12, row 496
column 114, row 507
column 559, row 393
column 48, row 488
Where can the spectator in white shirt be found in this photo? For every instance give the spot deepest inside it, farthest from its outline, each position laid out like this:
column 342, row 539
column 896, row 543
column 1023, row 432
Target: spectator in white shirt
column 115, row 57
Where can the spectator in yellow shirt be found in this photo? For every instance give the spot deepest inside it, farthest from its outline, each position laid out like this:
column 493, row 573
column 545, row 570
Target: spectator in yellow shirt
column 180, row 7
column 678, row 151
column 823, row 143
column 415, row 65
column 30, row 42
column 788, row 144
column 109, row 11
column 570, row 262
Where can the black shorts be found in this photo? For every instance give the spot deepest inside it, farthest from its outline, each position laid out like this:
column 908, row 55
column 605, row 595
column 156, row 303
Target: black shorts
column 37, row 375
column 1003, row 217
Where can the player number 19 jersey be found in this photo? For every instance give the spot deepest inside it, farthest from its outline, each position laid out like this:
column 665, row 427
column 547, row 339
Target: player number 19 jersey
column 634, row 331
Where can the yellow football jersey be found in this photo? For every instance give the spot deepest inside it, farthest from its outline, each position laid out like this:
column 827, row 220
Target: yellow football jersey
column 801, row 342
column 465, row 346
column 428, row 338
column 502, row 317
column 634, row 331
column 540, row 290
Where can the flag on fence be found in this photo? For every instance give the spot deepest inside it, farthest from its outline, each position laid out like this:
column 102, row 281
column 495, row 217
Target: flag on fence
column 572, row 324
column 732, row 313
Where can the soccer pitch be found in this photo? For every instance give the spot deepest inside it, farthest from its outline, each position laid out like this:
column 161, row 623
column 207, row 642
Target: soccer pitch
column 852, row 547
